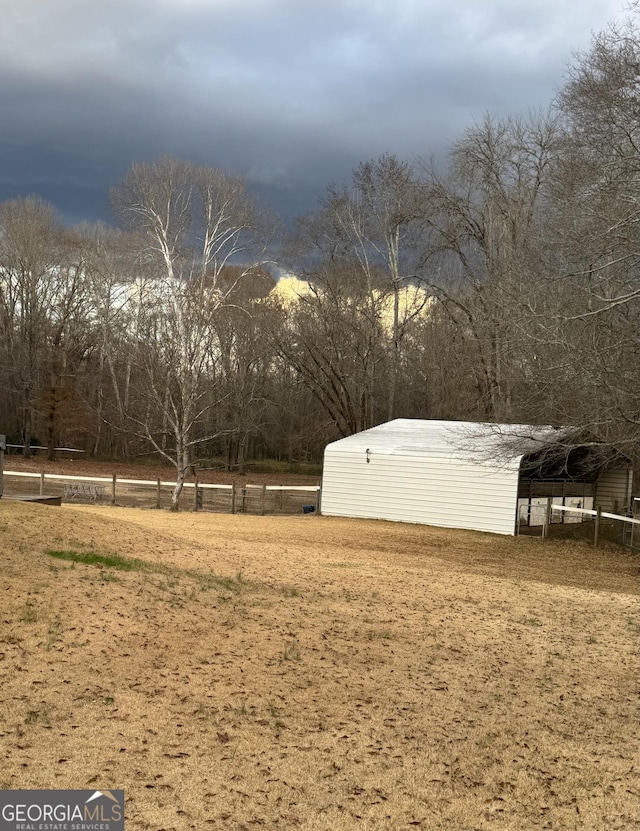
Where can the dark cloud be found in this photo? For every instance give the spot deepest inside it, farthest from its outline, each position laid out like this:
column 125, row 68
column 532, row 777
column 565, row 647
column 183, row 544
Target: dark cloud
column 291, row 95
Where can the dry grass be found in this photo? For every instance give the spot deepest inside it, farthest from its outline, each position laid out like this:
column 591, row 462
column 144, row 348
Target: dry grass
column 318, row 673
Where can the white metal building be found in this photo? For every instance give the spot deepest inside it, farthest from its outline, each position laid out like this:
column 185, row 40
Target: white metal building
column 458, row 474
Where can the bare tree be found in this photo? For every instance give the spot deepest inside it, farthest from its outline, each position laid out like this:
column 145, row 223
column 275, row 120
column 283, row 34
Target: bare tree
column 70, row 340
column 390, row 200
column 333, row 336
column 243, row 332
column 114, row 270
column 371, row 228
column 486, row 223
column 41, row 294
column 597, row 223
column 194, row 221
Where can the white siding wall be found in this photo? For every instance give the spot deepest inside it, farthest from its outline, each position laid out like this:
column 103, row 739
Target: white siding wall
column 433, row 489
column 614, row 486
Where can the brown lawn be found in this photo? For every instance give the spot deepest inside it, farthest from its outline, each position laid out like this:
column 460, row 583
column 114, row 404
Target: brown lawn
column 317, row 673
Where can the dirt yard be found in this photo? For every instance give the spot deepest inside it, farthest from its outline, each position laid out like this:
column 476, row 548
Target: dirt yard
column 318, row 673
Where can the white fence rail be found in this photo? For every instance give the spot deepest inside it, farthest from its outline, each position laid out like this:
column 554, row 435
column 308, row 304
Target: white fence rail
column 246, row 498
column 620, row 528
column 597, row 516
column 604, row 514
column 41, row 447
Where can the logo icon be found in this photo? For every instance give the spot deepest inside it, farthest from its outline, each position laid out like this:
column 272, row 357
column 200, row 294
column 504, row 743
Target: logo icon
column 62, row 810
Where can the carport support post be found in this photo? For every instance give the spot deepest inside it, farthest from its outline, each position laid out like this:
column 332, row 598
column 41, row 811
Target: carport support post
column 596, row 532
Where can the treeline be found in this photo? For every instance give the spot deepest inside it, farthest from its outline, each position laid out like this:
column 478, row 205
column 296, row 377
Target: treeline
column 503, row 287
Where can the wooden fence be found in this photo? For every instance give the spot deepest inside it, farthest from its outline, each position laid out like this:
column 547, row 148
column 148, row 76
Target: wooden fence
column 149, row 493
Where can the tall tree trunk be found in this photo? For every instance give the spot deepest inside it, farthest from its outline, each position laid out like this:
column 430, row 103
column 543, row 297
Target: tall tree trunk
column 241, row 454
column 181, row 465
column 26, row 430
column 395, row 355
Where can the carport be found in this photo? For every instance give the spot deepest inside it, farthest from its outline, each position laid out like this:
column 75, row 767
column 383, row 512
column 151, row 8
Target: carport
column 454, row 474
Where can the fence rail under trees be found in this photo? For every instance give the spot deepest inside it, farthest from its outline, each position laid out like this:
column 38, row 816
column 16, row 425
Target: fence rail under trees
column 150, row 493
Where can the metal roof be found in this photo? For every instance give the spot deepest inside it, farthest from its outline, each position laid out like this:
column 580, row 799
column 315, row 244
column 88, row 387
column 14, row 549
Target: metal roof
column 486, row 443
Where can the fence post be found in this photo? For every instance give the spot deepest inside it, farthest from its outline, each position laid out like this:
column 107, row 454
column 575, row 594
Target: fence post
column 233, row 498
column 243, row 504
column 547, row 517
column 195, row 495
column 596, row 532
column 42, row 483
column 158, row 494
column 263, row 496
column 318, row 498
column 113, row 489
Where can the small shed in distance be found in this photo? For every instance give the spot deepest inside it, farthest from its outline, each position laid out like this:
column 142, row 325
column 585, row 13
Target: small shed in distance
column 454, row 474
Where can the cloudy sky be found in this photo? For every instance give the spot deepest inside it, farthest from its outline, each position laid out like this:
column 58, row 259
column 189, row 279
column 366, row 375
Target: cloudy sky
column 291, row 94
